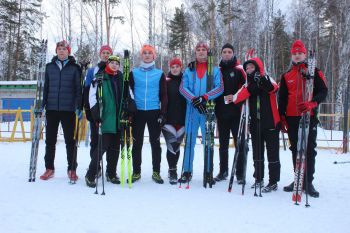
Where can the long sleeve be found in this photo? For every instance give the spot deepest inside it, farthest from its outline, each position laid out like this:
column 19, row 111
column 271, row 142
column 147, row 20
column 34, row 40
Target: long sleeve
column 320, row 87
column 282, row 97
column 218, row 85
column 163, row 95
column 46, row 89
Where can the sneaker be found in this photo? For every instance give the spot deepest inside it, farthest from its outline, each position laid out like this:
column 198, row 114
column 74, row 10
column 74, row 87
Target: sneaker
column 186, row 177
column 258, row 184
column 113, row 179
column 72, row 175
column 289, row 188
column 157, row 178
column 49, row 173
column 270, row 187
column 90, row 183
column 172, row 175
column 221, row 176
column 312, row 191
column 135, row 177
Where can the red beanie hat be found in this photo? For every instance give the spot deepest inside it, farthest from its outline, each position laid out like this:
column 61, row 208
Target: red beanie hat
column 202, row 44
column 63, row 43
column 175, row 61
column 149, row 48
column 106, row 47
column 298, row 46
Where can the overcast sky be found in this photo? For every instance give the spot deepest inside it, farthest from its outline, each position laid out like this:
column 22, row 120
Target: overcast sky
column 120, row 32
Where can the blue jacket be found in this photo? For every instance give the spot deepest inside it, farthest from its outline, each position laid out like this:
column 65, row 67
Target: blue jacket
column 149, row 89
column 62, row 88
column 192, row 86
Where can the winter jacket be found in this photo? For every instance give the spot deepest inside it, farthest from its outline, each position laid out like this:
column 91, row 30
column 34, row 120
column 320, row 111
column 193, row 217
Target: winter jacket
column 112, row 92
column 148, row 86
column 192, row 86
column 290, row 93
column 176, row 110
column 266, row 89
column 234, row 78
column 90, row 75
column 62, row 88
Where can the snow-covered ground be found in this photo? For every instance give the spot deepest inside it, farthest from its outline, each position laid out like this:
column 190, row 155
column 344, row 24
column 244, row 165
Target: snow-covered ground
column 56, row 206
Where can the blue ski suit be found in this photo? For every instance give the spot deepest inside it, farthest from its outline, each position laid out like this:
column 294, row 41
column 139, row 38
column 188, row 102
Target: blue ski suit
column 192, row 86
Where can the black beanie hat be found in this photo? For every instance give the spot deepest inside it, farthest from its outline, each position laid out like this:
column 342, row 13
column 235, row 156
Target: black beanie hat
column 227, row 45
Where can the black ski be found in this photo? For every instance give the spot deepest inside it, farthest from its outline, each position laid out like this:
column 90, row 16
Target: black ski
column 38, row 112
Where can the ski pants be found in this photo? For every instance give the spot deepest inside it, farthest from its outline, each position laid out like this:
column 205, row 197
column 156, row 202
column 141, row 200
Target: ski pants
column 270, row 137
column 225, row 126
column 53, row 119
column 173, row 137
column 111, row 145
column 293, row 127
column 94, row 139
column 194, row 120
column 140, row 119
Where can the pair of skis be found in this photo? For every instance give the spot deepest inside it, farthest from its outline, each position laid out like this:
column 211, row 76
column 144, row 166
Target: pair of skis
column 242, row 138
column 38, row 112
column 125, row 126
column 210, row 122
column 303, row 134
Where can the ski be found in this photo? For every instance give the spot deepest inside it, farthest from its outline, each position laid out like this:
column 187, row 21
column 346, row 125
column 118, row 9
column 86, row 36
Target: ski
column 125, row 125
column 303, row 133
column 38, row 111
column 242, row 138
column 209, row 129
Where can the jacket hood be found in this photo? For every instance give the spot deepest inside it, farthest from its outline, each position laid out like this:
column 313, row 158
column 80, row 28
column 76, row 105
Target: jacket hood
column 259, row 65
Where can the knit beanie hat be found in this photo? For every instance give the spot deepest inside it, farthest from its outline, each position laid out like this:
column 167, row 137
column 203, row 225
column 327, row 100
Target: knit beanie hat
column 149, row 48
column 202, row 44
column 298, row 46
column 175, row 61
column 227, row 45
column 63, row 43
column 106, row 47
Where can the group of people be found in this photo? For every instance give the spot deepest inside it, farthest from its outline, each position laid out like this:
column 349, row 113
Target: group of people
column 175, row 105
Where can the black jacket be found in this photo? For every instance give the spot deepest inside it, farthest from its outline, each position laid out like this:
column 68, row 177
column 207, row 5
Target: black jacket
column 176, row 109
column 234, row 77
column 62, row 88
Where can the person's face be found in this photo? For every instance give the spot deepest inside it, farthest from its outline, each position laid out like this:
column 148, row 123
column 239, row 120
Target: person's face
column 250, row 68
column 62, row 52
column 227, row 54
column 298, row 57
column 201, row 54
column 175, row 69
column 114, row 65
column 104, row 55
column 147, row 56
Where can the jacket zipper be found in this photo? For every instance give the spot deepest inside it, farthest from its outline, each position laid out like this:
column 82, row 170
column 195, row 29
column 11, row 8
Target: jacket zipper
column 146, row 91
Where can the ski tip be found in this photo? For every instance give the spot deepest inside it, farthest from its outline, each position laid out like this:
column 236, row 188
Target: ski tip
column 335, row 162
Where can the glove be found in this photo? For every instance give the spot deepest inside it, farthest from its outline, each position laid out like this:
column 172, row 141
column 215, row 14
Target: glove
column 79, row 113
column 38, row 112
column 284, row 125
column 201, row 108
column 253, row 87
column 307, row 106
column 99, row 78
column 161, row 120
column 199, row 100
column 266, row 84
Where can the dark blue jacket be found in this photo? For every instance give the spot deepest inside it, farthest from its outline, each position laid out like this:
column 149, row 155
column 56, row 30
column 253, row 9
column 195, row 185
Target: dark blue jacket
column 62, row 88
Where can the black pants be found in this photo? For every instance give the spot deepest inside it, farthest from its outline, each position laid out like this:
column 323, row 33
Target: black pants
column 53, row 119
column 293, row 126
column 138, row 128
column 111, row 145
column 94, row 139
column 270, row 137
column 225, row 126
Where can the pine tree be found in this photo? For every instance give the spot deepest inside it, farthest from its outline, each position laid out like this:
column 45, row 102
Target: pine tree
column 179, row 33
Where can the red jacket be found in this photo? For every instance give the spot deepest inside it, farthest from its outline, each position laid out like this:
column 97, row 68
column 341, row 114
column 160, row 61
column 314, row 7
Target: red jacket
column 290, row 93
column 267, row 93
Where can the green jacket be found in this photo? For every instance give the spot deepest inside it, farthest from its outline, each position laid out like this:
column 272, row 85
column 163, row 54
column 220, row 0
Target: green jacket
column 112, row 92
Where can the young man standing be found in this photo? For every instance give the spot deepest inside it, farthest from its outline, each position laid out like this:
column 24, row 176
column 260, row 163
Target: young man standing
column 62, row 101
column 148, row 87
column 291, row 107
column 194, row 88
